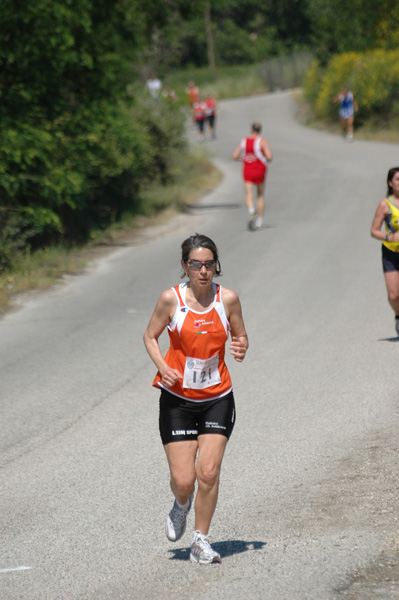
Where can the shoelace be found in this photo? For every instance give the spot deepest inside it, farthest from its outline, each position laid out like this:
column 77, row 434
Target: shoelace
column 203, row 543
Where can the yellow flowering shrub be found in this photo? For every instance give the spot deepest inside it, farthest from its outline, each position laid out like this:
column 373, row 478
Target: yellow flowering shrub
column 376, row 81
column 373, row 77
column 312, row 81
column 337, row 74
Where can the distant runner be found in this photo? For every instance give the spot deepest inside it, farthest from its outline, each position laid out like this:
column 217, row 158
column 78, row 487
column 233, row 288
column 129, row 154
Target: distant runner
column 255, row 153
column 192, row 92
column 154, row 86
column 347, row 109
column 199, row 117
column 210, row 115
column 388, row 212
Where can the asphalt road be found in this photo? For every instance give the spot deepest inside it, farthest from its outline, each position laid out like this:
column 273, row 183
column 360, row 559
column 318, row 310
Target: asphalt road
column 308, row 501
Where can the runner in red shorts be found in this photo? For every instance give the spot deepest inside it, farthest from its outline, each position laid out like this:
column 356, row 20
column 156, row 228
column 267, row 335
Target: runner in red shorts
column 199, row 117
column 254, row 151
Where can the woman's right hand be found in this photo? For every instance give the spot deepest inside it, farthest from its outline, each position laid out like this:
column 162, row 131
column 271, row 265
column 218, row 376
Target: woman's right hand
column 394, row 237
column 170, row 377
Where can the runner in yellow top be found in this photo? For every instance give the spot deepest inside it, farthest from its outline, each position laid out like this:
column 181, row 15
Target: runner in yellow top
column 388, row 212
column 196, row 407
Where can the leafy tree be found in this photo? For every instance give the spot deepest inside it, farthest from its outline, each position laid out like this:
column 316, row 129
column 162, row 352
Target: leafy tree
column 56, row 55
column 72, row 152
column 352, row 25
column 242, row 31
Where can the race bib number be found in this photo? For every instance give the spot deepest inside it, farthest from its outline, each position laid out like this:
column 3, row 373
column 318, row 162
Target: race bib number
column 201, row 374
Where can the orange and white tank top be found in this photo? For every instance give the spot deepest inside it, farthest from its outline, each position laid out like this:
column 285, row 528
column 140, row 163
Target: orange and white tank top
column 197, row 349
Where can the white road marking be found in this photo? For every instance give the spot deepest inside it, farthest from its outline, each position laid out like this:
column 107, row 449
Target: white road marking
column 11, row 569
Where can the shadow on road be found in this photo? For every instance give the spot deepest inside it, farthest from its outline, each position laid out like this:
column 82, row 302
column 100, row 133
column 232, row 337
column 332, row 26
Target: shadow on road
column 224, row 548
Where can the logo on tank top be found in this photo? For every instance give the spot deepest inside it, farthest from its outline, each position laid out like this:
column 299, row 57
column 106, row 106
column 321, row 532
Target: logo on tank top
column 200, row 322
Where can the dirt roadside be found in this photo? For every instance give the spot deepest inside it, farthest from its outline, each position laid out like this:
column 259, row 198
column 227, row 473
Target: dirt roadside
column 375, row 468
column 359, row 491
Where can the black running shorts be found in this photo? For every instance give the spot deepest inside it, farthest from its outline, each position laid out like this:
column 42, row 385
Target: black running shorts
column 181, row 419
column 390, row 260
column 200, row 124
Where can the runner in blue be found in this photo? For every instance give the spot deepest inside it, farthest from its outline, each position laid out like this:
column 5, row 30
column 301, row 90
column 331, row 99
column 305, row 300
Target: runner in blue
column 347, row 108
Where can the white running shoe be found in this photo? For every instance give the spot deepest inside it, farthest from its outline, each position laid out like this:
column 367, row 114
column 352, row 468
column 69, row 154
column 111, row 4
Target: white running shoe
column 259, row 222
column 176, row 520
column 397, row 326
column 201, row 551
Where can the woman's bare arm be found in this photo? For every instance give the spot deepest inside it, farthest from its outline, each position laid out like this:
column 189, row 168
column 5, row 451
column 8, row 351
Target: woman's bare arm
column 239, row 338
column 160, row 319
column 379, row 218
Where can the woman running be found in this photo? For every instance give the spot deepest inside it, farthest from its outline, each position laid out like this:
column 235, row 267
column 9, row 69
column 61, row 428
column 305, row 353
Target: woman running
column 199, row 117
column 388, row 212
column 347, row 109
column 197, row 410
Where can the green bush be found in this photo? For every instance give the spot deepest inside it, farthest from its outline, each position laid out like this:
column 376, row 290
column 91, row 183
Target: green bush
column 61, row 179
column 233, row 45
column 15, row 230
column 75, row 148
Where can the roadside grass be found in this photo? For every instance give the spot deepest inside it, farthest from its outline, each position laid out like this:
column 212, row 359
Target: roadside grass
column 195, row 176
column 223, row 83
column 379, row 131
column 238, row 81
column 39, row 270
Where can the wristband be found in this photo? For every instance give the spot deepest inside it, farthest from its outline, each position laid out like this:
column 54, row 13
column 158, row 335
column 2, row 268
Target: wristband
column 386, row 238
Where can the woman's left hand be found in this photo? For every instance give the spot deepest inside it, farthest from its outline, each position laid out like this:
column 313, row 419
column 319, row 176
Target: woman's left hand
column 238, row 348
